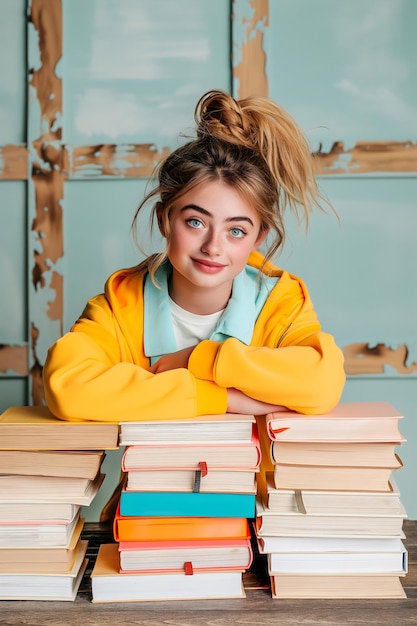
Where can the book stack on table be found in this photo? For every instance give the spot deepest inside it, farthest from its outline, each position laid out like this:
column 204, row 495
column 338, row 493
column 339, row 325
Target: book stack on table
column 329, row 515
column 181, row 527
column 49, row 469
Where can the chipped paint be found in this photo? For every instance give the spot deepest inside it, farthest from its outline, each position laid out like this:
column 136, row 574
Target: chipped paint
column 123, row 160
column 46, row 18
column 13, row 162
column 46, row 182
column 364, row 359
column 368, row 157
column 14, row 359
column 250, row 18
column 36, row 369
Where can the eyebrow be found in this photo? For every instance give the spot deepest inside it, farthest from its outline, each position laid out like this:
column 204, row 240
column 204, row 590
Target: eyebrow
column 199, row 209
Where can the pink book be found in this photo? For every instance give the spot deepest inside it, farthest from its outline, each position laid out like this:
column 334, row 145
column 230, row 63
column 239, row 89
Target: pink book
column 348, row 421
column 187, row 556
column 217, row 455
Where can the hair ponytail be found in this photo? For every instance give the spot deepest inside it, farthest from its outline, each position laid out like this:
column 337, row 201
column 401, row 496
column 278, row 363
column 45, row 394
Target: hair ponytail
column 262, row 125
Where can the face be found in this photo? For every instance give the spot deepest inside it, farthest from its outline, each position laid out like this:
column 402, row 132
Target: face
column 213, row 231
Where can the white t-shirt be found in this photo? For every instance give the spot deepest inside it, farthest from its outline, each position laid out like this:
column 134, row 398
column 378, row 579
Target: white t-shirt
column 190, row 328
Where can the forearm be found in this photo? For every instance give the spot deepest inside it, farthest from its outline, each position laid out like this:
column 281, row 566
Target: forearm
column 82, row 383
column 307, row 378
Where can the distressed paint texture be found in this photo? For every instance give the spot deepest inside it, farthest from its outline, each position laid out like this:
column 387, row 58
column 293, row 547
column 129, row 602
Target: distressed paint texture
column 14, row 359
column 46, row 180
column 363, row 359
column 368, row 157
column 250, row 18
column 13, row 162
column 130, row 161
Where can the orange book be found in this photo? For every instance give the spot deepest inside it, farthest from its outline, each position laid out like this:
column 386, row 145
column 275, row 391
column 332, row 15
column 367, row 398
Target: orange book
column 178, row 528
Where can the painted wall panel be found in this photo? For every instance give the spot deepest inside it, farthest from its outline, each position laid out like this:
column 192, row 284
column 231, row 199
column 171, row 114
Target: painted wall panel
column 13, row 275
column 98, row 240
column 13, row 392
column 361, row 271
column 12, row 72
column 345, row 70
column 132, row 68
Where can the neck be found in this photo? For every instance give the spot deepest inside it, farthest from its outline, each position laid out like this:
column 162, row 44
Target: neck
column 201, row 301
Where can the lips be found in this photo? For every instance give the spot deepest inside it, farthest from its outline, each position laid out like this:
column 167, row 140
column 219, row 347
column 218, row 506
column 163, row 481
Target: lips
column 210, row 267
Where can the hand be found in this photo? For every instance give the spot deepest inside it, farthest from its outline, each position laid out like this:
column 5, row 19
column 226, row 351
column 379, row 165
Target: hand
column 172, row 361
column 238, row 402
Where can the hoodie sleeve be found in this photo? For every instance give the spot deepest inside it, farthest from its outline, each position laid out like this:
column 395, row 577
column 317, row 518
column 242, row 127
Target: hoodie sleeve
column 90, row 374
column 307, row 377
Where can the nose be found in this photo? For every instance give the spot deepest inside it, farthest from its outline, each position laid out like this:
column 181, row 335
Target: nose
column 211, row 245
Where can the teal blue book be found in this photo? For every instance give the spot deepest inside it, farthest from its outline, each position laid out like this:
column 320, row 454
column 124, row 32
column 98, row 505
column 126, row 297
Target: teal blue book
column 186, row 504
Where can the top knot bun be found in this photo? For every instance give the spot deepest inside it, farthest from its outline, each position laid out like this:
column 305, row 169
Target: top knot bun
column 219, row 115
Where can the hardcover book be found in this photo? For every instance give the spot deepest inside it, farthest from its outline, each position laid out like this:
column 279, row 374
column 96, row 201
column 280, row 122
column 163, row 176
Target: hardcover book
column 318, row 501
column 109, row 585
column 348, row 421
column 307, row 477
column 333, row 523
column 36, row 428
column 74, row 463
column 39, row 535
column 328, row 544
column 346, row 586
column 181, row 504
column 37, row 511
column 41, row 560
column 41, row 586
column 200, row 478
column 226, row 427
column 14, row 487
column 221, row 455
column 177, row 556
column 134, row 528
column 333, row 454
column 344, row 562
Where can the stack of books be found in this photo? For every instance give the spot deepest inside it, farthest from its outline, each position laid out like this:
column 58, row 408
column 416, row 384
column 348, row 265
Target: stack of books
column 181, row 526
column 329, row 516
column 49, row 469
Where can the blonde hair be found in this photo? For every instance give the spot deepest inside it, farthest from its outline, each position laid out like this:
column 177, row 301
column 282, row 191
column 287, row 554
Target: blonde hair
column 251, row 144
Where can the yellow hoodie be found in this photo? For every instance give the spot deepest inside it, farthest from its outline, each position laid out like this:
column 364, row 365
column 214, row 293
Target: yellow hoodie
column 99, row 371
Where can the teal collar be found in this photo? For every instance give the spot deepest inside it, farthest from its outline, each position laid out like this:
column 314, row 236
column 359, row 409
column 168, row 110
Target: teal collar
column 238, row 319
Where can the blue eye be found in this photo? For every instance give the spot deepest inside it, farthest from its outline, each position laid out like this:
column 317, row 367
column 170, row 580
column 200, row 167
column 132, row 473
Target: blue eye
column 237, row 232
column 194, row 222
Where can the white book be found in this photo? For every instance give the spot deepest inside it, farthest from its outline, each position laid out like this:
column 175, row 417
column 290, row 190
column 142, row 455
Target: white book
column 212, row 480
column 319, row 501
column 342, row 562
column 45, row 586
column 108, row 585
column 331, row 523
column 37, row 511
column 39, row 535
column 58, row 494
column 226, row 427
column 288, row 544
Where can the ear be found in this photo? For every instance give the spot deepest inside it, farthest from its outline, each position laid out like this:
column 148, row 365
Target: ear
column 159, row 217
column 261, row 237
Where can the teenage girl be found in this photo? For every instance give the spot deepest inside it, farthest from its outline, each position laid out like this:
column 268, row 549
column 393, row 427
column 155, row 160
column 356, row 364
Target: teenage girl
column 210, row 325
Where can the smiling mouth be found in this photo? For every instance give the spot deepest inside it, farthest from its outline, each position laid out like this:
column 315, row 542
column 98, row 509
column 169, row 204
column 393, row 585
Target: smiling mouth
column 208, row 266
